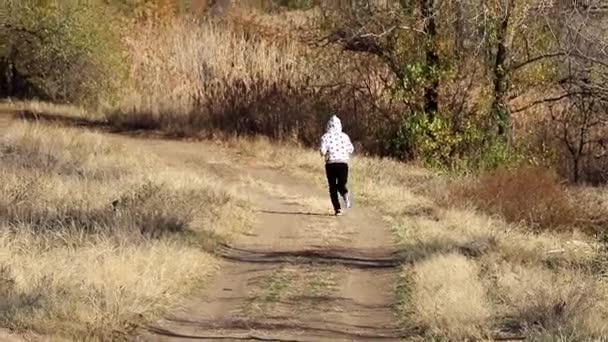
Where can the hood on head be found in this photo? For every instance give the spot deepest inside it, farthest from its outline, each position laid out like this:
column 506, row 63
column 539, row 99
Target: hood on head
column 334, row 125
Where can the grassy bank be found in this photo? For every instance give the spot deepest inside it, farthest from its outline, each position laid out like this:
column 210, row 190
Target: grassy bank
column 95, row 237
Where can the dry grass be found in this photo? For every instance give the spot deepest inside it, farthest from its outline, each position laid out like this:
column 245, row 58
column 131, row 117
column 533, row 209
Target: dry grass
column 476, row 236
column 94, row 239
column 448, row 297
column 249, row 74
column 97, row 290
column 189, row 78
column 546, row 265
column 535, row 300
column 492, row 246
column 36, row 107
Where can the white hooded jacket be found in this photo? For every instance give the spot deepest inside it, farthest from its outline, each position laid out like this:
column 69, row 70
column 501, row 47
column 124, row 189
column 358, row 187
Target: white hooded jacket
column 336, row 146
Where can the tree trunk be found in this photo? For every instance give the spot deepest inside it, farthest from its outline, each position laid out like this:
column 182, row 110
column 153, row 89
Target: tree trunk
column 501, row 75
column 431, row 89
column 5, row 78
column 576, row 169
column 459, row 31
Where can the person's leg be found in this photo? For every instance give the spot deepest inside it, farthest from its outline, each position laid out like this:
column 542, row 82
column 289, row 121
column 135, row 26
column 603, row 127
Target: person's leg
column 342, row 182
column 332, row 180
column 342, row 175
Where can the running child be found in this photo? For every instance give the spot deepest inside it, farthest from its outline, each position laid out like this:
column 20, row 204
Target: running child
column 337, row 148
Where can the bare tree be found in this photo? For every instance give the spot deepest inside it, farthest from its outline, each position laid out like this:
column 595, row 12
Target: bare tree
column 577, row 96
column 382, row 30
column 580, row 126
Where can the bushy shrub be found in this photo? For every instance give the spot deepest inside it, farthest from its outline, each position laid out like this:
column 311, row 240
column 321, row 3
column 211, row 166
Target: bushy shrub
column 60, row 51
column 530, row 195
column 439, row 143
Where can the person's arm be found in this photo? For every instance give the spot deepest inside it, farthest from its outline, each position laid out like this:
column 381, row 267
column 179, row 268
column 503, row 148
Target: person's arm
column 349, row 145
column 324, row 146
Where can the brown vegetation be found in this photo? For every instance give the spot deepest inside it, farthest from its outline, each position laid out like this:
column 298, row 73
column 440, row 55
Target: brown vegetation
column 94, row 239
column 533, row 196
column 530, row 195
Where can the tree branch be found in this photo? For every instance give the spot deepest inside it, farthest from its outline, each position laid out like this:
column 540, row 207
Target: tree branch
column 538, row 58
column 547, row 100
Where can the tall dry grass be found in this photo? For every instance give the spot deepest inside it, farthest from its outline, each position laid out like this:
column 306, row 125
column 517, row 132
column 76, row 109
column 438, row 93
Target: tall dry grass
column 95, row 237
column 250, row 74
column 437, row 304
column 189, row 78
column 536, row 300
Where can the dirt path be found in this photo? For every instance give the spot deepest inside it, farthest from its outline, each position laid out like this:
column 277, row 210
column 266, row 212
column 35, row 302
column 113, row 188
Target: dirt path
column 293, row 232
column 298, row 275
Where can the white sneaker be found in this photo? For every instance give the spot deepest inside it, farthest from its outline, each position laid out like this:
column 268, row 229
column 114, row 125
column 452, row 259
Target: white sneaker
column 347, row 202
column 339, row 213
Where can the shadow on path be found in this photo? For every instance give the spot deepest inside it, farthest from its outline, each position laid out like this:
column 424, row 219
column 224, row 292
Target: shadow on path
column 282, row 325
column 274, row 212
column 168, row 333
column 132, row 131
column 364, row 259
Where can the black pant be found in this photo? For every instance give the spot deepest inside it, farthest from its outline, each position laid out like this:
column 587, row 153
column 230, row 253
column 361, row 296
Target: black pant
column 337, row 177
